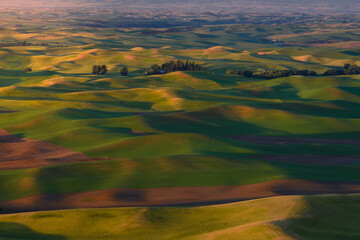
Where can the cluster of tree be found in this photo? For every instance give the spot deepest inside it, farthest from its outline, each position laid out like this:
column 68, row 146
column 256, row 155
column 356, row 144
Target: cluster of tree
column 97, row 69
column 244, row 73
column 283, row 73
column 173, row 66
column 20, row 44
column 349, row 69
column 271, row 74
column 101, row 70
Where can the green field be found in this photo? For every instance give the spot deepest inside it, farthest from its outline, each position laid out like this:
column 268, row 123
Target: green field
column 174, row 128
column 295, row 217
column 181, row 129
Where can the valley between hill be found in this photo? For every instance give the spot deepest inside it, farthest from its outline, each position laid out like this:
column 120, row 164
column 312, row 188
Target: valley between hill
column 171, row 143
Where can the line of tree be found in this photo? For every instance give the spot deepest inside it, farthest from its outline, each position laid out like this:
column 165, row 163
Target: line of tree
column 169, row 67
column 26, row 44
column 102, row 69
column 174, row 66
column 20, row 44
column 271, row 74
column 348, row 69
column 99, row 70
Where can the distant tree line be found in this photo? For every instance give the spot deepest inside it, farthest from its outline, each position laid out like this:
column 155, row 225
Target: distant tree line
column 271, row 74
column 24, row 44
column 174, row 66
column 169, row 67
column 348, row 69
column 21, row 44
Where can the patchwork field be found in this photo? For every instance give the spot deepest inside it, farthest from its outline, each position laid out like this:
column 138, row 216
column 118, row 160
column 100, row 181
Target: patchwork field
column 71, row 139
column 286, row 217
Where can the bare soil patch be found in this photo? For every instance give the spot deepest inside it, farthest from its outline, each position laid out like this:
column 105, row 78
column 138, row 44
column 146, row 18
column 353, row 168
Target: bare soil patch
column 19, row 153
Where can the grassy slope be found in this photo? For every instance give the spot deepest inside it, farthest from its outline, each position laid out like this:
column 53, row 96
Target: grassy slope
column 295, row 217
column 171, row 129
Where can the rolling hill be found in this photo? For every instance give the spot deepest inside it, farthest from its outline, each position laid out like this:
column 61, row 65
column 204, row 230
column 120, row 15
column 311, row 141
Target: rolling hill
column 182, row 155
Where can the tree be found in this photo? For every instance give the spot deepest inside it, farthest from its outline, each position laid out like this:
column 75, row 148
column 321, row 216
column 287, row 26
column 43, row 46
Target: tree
column 156, row 69
column 96, row 69
column 103, row 69
column 313, row 73
column 187, row 65
column 247, row 73
column 330, row 72
column 351, row 69
column 124, row 71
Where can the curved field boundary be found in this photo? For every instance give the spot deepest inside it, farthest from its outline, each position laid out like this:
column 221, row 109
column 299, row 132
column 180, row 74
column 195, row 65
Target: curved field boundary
column 176, row 196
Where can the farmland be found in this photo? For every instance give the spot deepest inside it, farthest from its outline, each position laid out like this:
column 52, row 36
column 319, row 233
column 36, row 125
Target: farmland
column 71, row 139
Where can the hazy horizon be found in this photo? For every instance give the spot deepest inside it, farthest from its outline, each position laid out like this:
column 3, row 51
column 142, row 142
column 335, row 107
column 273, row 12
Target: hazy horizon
column 311, row 6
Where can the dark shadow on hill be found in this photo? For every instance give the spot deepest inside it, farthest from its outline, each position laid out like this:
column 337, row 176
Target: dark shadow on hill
column 10, row 138
column 335, row 135
column 218, row 78
column 352, row 53
column 8, row 81
column 20, row 73
column 282, row 91
column 325, row 217
column 344, row 110
column 10, row 230
column 351, row 90
column 51, row 181
column 200, row 124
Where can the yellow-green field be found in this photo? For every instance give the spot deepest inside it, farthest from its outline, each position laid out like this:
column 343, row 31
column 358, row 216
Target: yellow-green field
column 295, row 217
column 182, row 129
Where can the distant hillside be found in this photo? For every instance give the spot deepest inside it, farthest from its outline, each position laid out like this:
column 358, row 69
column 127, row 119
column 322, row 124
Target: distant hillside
column 261, row 5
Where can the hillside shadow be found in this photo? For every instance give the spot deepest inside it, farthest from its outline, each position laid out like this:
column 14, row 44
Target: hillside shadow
column 10, row 230
column 197, row 125
column 343, row 110
column 8, row 82
column 20, row 73
column 325, row 217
